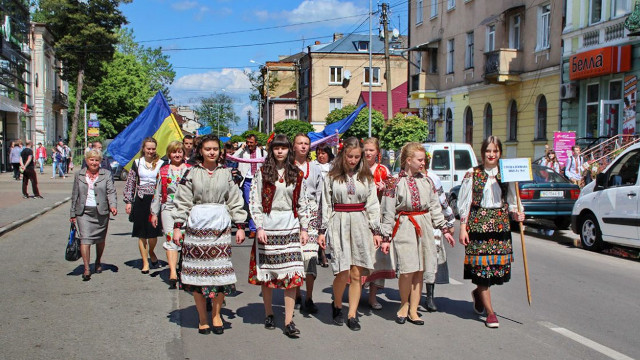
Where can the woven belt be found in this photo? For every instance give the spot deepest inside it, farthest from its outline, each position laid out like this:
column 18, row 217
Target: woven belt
column 411, row 215
column 348, row 207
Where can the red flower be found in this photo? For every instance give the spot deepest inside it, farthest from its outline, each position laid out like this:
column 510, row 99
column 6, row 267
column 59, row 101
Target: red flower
column 475, row 221
column 168, row 180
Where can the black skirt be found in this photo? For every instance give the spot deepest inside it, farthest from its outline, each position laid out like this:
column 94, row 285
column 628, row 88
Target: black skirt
column 142, row 227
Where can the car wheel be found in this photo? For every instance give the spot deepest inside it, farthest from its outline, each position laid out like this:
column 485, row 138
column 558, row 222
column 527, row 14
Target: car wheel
column 590, row 234
column 562, row 223
column 123, row 175
column 453, row 203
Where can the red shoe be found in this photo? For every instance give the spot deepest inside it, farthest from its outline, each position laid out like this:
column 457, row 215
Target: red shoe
column 492, row 321
column 477, row 303
column 252, row 234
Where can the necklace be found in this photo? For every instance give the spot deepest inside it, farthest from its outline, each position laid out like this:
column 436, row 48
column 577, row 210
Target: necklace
column 281, row 177
column 92, row 176
column 306, row 174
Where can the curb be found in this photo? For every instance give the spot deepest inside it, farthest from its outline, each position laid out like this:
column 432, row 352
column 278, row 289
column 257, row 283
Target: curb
column 17, row 224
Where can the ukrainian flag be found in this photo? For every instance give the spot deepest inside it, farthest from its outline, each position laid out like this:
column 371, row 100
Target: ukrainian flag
column 155, row 120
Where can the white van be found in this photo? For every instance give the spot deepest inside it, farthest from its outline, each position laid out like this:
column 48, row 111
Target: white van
column 608, row 209
column 450, row 161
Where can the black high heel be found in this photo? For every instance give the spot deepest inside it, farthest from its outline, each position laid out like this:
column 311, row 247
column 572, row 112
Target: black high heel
column 173, row 284
column 218, row 330
column 86, row 277
column 204, row 331
column 144, row 271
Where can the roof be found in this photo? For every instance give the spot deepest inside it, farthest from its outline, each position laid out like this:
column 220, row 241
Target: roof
column 349, row 45
column 379, row 99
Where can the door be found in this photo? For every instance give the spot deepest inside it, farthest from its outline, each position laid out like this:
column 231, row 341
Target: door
column 618, row 204
column 610, row 118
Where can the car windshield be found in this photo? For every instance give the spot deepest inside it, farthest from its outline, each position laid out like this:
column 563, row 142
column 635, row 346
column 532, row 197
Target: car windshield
column 543, row 175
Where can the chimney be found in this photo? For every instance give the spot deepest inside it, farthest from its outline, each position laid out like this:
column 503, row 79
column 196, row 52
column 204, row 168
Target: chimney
column 318, row 42
column 337, row 36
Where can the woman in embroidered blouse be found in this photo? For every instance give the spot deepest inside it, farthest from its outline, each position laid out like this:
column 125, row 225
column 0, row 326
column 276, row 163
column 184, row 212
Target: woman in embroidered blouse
column 382, row 265
column 351, row 221
column 551, row 161
column 208, row 201
column 280, row 210
column 166, row 186
column 411, row 211
column 324, row 160
column 484, row 205
column 93, row 197
column 138, row 193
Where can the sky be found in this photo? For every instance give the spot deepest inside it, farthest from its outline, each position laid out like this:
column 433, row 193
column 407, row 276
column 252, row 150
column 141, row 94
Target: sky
column 212, row 42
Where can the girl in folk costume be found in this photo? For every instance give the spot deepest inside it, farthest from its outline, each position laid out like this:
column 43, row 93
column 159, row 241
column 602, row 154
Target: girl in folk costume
column 279, row 207
column 382, row 265
column 166, row 186
column 351, row 220
column 324, row 160
column 208, row 201
column 410, row 212
column 551, row 161
column 313, row 181
column 485, row 204
column 138, row 193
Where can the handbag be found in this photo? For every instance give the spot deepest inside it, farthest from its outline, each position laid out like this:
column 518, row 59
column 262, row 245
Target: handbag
column 72, row 252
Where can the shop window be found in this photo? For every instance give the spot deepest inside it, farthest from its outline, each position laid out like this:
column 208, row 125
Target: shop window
column 593, row 97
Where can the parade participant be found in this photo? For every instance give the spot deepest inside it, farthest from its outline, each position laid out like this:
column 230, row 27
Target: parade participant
column 279, row 206
column 484, row 205
column 56, row 158
column 68, row 158
column 208, row 201
column 14, row 157
column 324, row 160
column 167, row 181
column 351, row 221
column 313, row 181
column 41, row 156
column 229, row 149
column 575, row 167
column 248, row 171
column 189, row 142
column 27, row 168
column 382, row 265
column 410, row 212
column 551, row 161
column 92, row 199
column 138, row 193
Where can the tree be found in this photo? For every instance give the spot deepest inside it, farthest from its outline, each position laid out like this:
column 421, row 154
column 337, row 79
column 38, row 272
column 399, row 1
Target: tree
column 258, row 89
column 401, row 130
column 250, row 121
column 292, row 127
column 260, row 137
column 360, row 127
column 236, row 139
column 85, row 36
column 218, row 112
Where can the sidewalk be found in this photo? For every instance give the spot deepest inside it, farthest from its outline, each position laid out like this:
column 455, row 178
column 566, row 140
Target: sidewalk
column 16, row 210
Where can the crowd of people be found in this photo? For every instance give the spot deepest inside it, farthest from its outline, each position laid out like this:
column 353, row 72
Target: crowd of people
column 343, row 210
column 576, row 168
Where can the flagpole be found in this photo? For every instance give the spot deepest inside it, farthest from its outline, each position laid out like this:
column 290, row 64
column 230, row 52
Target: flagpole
column 370, row 60
column 524, row 249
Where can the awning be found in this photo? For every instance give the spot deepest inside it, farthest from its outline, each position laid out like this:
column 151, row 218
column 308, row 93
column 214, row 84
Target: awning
column 9, row 105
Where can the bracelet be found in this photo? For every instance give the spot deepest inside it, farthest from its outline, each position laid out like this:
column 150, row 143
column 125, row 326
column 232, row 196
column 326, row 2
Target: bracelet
column 386, row 239
column 376, row 232
column 241, row 226
column 177, row 225
column 322, row 231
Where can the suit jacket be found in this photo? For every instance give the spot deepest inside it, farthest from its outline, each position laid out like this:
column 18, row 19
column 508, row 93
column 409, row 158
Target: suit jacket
column 104, row 189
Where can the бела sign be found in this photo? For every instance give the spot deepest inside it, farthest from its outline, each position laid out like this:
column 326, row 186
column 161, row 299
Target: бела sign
column 598, row 62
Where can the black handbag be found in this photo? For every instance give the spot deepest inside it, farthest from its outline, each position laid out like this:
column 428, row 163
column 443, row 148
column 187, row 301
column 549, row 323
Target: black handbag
column 72, row 252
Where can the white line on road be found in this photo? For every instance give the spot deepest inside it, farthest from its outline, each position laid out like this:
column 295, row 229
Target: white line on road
column 453, row 281
column 586, row 342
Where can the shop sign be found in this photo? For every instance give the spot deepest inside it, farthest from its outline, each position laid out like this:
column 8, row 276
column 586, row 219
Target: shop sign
column 598, row 62
column 562, row 143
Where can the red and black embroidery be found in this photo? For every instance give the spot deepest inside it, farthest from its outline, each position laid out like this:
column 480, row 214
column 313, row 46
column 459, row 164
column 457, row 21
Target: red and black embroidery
column 269, row 191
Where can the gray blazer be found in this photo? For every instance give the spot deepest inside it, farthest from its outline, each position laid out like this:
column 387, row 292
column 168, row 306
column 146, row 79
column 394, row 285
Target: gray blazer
column 104, row 188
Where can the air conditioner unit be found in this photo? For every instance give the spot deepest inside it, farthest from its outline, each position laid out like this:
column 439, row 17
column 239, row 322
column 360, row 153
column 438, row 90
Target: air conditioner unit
column 568, row 91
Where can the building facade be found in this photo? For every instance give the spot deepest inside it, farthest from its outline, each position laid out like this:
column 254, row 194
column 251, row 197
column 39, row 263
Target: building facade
column 280, row 100
column 600, row 70
column 482, row 68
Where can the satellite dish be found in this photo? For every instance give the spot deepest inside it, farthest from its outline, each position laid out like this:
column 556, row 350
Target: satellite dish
column 396, row 33
column 381, row 34
column 347, row 74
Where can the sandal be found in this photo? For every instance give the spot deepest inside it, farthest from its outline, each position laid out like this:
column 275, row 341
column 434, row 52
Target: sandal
column 98, row 268
column 376, row 306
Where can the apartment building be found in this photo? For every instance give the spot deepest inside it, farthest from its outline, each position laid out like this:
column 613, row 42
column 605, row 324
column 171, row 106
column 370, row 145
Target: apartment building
column 280, row 99
column 481, row 67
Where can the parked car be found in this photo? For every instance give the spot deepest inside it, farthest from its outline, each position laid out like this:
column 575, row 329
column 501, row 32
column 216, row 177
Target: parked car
column 608, row 210
column 450, row 161
column 549, row 196
column 118, row 171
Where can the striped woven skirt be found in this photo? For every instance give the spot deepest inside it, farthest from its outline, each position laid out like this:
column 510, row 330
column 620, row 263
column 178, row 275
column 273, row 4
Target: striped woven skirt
column 489, row 255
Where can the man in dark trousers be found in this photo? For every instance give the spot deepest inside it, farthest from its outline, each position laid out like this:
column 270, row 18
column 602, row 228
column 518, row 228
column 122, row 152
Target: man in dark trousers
column 28, row 171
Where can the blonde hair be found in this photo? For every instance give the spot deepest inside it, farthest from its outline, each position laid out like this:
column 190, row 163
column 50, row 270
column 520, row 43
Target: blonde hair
column 175, row 146
column 93, row 154
column 408, row 150
column 374, row 141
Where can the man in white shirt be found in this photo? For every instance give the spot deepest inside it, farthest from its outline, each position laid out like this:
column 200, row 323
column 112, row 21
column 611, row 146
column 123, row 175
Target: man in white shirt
column 248, row 170
column 575, row 166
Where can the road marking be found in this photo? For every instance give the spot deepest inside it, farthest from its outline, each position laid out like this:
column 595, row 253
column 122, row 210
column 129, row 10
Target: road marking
column 586, row 342
column 453, row 281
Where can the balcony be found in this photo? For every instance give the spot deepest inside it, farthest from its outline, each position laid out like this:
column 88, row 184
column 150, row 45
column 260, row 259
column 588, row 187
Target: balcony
column 60, row 100
column 503, row 66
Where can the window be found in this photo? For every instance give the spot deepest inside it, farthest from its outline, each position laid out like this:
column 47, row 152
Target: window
column 488, row 121
column 468, row 56
column 625, row 171
column 595, row 11
column 541, row 119
column 513, row 121
column 440, row 160
column 451, row 4
column 468, row 126
column 419, row 9
column 291, row 114
column 363, row 46
column 335, row 103
column 462, row 160
column 448, row 126
column 544, row 26
column 619, row 8
column 434, row 8
column 593, row 98
column 376, row 75
column 450, row 55
column 514, row 36
column 491, row 38
column 433, row 61
column 336, row 75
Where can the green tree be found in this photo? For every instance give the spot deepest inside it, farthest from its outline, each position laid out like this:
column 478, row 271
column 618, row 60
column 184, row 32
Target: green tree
column 260, row 137
column 360, row 127
column 85, row 35
column 401, row 130
column 237, row 138
column 291, row 127
column 217, row 111
column 258, row 80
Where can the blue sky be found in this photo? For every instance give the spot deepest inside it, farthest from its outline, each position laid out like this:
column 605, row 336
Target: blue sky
column 179, row 26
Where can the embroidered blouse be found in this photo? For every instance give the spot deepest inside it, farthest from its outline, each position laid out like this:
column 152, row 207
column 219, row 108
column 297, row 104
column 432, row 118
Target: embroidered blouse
column 491, row 194
column 142, row 181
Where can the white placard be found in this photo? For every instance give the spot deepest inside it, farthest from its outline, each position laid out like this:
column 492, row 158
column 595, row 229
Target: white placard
column 518, row 169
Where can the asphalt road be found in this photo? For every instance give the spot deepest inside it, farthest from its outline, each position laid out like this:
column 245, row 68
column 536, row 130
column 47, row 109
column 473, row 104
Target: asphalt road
column 585, row 306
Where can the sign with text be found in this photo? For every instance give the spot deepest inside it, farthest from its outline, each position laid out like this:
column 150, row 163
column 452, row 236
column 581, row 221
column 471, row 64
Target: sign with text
column 94, row 124
column 598, row 62
column 93, row 116
column 518, row 169
column 629, row 119
column 562, row 143
column 93, row 132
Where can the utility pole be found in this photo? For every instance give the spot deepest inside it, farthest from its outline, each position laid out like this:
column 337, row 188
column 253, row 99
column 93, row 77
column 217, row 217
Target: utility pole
column 385, row 23
column 370, row 60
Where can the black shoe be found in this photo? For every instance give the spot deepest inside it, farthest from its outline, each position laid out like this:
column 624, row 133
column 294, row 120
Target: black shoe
column 218, row 330
column 429, row 304
column 337, row 315
column 415, row 322
column 173, row 284
column 204, row 331
column 310, row 307
column 86, row 277
column 269, row 322
column 353, row 324
column 291, row 331
column 155, row 265
column 401, row 319
column 144, row 271
column 298, row 303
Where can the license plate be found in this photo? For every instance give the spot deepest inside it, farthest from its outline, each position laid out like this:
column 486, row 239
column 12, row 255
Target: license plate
column 444, row 177
column 547, row 194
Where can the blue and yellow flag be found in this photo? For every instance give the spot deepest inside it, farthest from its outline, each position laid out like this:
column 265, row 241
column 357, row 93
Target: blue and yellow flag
column 155, row 120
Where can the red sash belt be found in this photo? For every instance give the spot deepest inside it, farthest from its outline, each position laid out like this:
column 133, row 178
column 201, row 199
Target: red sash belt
column 411, row 215
column 348, row 207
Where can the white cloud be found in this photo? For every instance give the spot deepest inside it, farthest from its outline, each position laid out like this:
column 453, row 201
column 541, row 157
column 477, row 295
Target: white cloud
column 314, row 10
column 202, row 11
column 193, row 86
column 184, row 5
column 254, row 111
